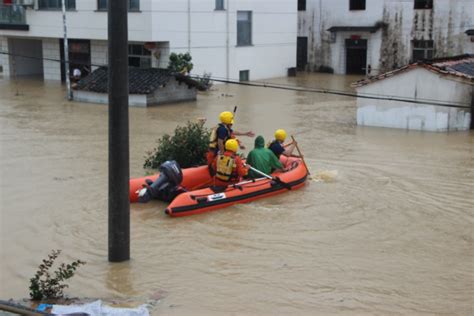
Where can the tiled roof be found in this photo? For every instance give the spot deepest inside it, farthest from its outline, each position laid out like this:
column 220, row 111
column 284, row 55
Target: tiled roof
column 461, row 66
column 141, row 81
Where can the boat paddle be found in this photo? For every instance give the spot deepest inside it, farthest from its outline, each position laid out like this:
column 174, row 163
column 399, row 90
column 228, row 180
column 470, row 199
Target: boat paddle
column 301, row 155
column 276, row 179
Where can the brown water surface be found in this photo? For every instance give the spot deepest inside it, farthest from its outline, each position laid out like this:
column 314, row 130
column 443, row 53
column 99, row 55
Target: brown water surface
column 387, row 229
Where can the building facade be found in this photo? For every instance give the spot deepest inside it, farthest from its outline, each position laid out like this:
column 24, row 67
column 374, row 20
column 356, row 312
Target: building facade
column 228, row 38
column 454, row 81
column 374, row 36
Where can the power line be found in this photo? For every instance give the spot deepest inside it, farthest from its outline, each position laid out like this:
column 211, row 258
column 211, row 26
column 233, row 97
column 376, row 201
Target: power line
column 260, row 84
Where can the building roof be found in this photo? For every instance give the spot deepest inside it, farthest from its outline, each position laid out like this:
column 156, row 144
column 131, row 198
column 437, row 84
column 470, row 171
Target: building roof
column 461, row 66
column 141, row 81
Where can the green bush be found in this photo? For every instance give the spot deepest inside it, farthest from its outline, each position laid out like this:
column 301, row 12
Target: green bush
column 44, row 286
column 180, row 62
column 188, row 146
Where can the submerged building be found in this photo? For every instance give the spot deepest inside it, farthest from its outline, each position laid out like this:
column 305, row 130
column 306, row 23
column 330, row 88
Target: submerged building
column 436, row 95
column 236, row 39
column 375, row 36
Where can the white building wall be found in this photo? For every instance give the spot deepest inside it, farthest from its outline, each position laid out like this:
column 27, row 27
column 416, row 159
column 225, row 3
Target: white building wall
column 416, row 84
column 389, row 47
column 51, row 68
column 4, row 59
column 99, row 52
column 181, row 25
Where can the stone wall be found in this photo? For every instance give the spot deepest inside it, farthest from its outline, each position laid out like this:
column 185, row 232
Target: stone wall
column 172, row 92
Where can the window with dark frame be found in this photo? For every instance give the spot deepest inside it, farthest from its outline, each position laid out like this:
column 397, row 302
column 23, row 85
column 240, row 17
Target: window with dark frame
column 301, row 5
column 244, row 28
column 56, row 4
column 423, row 4
column 139, row 56
column 244, row 75
column 423, row 49
column 133, row 5
column 356, row 5
column 220, row 5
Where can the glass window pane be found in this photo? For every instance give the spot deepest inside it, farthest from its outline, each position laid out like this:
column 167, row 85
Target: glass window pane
column 134, row 5
column 71, row 4
column 102, row 5
column 219, row 4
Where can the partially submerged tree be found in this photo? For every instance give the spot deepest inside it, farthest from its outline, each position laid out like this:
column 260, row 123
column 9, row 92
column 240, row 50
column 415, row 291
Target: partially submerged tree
column 188, row 146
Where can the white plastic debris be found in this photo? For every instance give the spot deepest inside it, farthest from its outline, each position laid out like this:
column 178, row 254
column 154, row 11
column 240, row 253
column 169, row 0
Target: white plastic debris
column 98, row 309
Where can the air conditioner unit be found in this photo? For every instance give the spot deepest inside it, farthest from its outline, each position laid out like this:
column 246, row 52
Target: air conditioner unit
column 26, row 3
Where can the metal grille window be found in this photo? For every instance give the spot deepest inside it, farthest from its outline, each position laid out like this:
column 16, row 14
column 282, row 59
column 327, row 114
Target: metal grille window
column 423, row 49
column 357, row 5
column 133, row 5
column 139, row 56
column 56, row 4
column 244, row 75
column 301, row 5
column 220, row 5
column 244, row 28
column 423, row 4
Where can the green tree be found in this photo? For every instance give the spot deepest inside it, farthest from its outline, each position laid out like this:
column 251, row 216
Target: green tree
column 44, row 285
column 188, row 146
column 180, row 62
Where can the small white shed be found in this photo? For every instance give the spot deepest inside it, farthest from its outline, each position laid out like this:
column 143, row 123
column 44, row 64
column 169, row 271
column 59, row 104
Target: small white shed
column 449, row 81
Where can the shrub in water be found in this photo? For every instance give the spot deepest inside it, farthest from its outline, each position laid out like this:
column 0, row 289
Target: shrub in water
column 188, row 146
column 44, row 286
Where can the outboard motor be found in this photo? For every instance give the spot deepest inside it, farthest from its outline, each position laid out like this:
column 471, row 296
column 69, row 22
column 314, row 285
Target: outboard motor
column 166, row 187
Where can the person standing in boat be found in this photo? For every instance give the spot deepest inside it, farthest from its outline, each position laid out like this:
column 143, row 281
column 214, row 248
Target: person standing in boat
column 262, row 159
column 279, row 148
column 228, row 165
column 221, row 133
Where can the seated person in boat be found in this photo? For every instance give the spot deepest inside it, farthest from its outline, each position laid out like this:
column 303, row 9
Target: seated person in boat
column 229, row 167
column 221, row 133
column 279, row 148
column 262, row 159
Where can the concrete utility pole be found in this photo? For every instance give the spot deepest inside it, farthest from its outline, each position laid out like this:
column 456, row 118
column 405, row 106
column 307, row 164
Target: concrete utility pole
column 119, row 174
column 66, row 53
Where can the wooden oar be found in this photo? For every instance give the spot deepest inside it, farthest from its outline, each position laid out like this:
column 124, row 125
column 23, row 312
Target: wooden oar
column 301, row 155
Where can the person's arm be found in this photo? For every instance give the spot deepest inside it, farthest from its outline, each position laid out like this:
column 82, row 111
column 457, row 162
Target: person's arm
column 221, row 136
column 275, row 163
column 241, row 170
column 249, row 133
column 220, row 145
column 289, row 150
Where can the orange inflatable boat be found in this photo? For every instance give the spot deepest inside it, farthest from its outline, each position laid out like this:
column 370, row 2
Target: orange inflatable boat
column 198, row 194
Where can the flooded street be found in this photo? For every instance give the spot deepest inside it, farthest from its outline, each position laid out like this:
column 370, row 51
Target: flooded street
column 387, row 229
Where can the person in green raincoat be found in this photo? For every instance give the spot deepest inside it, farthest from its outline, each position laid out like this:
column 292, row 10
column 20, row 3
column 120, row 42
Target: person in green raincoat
column 262, row 159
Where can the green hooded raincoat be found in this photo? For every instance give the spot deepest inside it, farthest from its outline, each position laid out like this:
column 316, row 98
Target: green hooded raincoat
column 262, row 159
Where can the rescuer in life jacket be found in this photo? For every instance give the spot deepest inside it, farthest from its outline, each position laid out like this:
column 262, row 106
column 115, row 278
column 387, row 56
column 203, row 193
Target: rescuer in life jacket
column 279, row 148
column 221, row 133
column 229, row 167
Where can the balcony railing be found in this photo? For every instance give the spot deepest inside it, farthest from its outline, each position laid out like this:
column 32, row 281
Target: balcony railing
column 13, row 17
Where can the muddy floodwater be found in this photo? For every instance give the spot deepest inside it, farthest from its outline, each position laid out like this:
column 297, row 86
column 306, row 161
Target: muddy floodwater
column 385, row 226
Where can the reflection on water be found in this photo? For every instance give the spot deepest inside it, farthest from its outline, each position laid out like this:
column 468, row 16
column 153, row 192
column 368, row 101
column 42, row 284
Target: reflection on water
column 384, row 227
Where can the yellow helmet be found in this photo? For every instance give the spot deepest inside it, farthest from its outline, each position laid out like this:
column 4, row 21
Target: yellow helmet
column 232, row 145
column 227, row 117
column 280, row 135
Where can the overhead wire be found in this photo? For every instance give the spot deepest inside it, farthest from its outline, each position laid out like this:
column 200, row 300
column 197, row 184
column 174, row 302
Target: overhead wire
column 263, row 84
